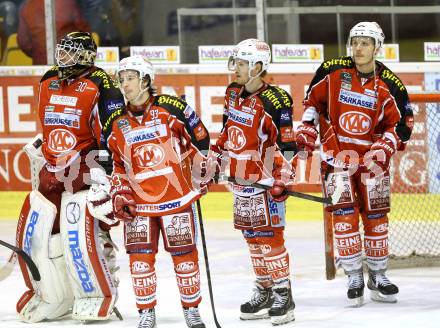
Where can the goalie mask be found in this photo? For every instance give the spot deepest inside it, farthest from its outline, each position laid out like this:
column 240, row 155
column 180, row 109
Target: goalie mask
column 253, row 51
column 367, row 29
column 75, row 53
column 140, row 65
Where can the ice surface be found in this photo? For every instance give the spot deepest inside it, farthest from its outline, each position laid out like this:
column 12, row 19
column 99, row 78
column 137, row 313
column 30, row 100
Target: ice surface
column 320, row 303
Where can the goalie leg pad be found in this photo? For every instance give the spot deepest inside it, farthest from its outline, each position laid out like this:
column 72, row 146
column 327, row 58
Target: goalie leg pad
column 51, row 297
column 93, row 282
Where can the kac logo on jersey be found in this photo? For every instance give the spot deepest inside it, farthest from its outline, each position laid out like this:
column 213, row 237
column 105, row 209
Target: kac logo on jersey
column 355, row 123
column 61, row 140
column 236, row 138
column 150, row 155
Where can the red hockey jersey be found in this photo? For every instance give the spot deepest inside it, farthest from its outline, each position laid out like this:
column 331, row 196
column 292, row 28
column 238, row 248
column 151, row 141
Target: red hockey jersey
column 153, row 154
column 359, row 110
column 257, row 131
column 76, row 115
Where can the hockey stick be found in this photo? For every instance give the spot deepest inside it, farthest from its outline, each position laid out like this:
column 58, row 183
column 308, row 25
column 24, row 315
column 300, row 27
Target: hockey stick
column 26, row 258
column 333, row 199
column 6, row 270
column 208, row 272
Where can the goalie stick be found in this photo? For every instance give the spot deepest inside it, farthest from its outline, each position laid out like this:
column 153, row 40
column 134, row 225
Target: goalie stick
column 333, row 199
column 208, row 272
column 26, row 258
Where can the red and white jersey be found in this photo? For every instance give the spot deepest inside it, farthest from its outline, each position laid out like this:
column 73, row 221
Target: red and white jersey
column 257, row 130
column 153, row 154
column 76, row 115
column 359, row 109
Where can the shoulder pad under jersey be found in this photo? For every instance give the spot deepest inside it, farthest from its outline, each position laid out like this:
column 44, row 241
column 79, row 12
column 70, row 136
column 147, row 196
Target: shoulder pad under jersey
column 101, row 79
column 170, row 103
column 337, row 63
column 275, row 98
column 53, row 71
column 390, row 79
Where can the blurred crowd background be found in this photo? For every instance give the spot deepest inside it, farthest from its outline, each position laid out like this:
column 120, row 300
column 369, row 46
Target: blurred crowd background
column 125, row 23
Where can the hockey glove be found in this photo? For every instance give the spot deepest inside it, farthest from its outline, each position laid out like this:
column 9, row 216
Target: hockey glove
column 124, row 205
column 380, row 154
column 278, row 191
column 306, row 136
column 216, row 161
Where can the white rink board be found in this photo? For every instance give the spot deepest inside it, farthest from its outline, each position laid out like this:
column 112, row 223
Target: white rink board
column 319, row 303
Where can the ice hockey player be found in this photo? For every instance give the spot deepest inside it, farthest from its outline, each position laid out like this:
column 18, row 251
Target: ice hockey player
column 156, row 146
column 364, row 117
column 78, row 103
column 257, row 131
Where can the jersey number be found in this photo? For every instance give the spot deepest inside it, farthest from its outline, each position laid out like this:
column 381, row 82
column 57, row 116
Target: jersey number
column 81, row 86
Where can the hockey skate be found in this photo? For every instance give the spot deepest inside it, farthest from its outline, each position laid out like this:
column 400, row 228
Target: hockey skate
column 148, row 318
column 356, row 287
column 192, row 318
column 381, row 289
column 259, row 305
column 282, row 308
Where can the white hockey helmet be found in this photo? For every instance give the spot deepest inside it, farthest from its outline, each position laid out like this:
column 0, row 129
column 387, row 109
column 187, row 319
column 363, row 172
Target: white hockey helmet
column 253, row 51
column 369, row 29
column 137, row 63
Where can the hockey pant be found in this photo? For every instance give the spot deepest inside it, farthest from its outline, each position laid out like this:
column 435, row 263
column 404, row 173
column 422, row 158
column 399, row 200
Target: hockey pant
column 369, row 198
column 269, row 257
column 179, row 238
column 75, row 264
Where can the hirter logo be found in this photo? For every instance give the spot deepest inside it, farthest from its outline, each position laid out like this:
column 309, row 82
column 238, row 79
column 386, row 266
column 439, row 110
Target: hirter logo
column 147, row 156
column 355, row 123
column 236, row 138
column 61, row 140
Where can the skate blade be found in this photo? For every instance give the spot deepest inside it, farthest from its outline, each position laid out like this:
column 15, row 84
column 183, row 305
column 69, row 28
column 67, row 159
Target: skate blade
column 262, row 314
column 379, row 297
column 357, row 302
column 282, row 319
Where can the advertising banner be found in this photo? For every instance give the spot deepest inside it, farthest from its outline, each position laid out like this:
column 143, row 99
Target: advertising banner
column 297, row 53
column 158, row 54
column 204, row 92
column 107, row 55
column 387, row 53
column 432, row 51
column 214, row 54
